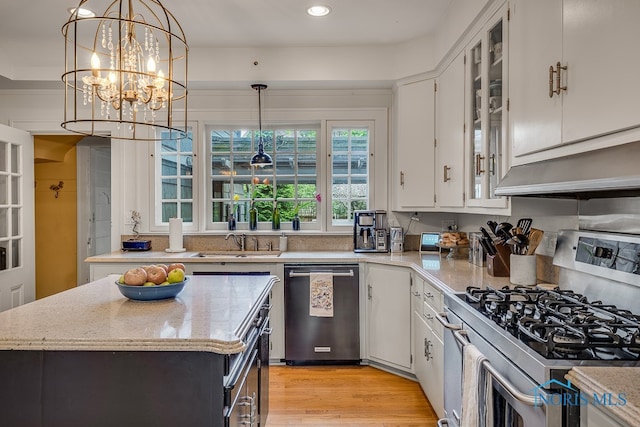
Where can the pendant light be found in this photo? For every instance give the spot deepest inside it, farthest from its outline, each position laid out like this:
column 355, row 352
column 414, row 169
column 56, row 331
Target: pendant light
column 125, row 71
column 261, row 158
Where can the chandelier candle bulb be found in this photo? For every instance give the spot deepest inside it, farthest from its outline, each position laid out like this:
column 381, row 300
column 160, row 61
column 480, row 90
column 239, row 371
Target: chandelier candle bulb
column 95, row 65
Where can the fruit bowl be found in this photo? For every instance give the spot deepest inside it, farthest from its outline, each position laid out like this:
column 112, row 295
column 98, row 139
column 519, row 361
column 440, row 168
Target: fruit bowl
column 152, row 293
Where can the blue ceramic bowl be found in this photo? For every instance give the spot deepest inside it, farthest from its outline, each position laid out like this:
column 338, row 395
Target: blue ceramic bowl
column 151, row 293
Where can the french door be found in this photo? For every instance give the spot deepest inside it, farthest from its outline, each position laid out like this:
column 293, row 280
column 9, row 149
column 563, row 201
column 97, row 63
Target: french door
column 17, row 257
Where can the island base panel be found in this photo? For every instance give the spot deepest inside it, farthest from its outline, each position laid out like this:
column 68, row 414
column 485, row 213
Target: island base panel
column 64, row 388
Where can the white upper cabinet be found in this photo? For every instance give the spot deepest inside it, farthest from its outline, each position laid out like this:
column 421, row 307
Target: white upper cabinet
column 449, row 166
column 600, row 50
column 535, row 40
column 414, row 146
column 574, row 67
column 486, row 118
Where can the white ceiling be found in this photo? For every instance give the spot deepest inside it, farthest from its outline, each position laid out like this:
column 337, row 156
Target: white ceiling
column 31, row 37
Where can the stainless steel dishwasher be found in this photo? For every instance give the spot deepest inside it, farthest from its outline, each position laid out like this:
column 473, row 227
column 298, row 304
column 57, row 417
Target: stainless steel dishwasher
column 321, row 303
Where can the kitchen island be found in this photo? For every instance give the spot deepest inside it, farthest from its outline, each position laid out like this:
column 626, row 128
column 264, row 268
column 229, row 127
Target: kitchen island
column 90, row 356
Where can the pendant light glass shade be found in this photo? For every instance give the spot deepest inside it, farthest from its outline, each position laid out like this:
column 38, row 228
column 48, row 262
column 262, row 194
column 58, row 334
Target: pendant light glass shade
column 260, row 158
column 125, row 71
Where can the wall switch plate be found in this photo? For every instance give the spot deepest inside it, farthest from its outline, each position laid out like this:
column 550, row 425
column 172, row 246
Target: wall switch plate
column 548, row 245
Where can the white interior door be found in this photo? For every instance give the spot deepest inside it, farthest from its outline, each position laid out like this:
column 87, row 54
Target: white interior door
column 17, row 255
column 94, row 201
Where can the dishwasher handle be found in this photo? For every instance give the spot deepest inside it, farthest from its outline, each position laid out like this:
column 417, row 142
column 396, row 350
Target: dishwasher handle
column 333, row 273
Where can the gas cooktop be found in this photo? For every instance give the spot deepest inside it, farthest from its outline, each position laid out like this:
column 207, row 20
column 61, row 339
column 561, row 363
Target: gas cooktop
column 560, row 324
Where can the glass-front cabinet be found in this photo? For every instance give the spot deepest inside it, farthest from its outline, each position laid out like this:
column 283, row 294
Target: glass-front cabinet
column 486, row 62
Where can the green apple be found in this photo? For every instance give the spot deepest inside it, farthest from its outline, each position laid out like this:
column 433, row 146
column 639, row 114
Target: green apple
column 121, row 280
column 149, row 284
column 164, row 283
column 176, row 275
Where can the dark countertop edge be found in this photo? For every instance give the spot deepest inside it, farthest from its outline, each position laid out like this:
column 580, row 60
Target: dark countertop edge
column 244, row 327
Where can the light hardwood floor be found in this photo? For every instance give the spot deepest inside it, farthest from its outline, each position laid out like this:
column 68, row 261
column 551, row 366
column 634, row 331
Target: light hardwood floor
column 355, row 396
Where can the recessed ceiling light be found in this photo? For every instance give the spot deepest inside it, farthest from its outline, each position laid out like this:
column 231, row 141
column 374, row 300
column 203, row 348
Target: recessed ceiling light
column 319, row 10
column 82, row 12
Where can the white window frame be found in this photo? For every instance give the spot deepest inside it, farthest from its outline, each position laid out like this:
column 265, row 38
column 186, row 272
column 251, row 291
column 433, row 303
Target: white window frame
column 156, row 205
column 210, row 225
column 377, row 119
column 328, row 181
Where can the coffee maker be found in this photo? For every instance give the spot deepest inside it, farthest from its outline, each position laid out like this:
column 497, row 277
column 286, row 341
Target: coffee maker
column 370, row 232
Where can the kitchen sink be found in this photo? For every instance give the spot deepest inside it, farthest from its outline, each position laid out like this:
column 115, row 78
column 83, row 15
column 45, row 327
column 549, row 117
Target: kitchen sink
column 237, row 254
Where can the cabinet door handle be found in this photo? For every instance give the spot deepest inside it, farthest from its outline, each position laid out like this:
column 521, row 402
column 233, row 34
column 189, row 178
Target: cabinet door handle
column 429, row 316
column 416, row 293
column 428, row 295
column 369, row 292
column 492, row 165
column 558, row 79
column 401, row 179
column 559, row 69
column 427, row 353
column 446, row 173
column 479, row 159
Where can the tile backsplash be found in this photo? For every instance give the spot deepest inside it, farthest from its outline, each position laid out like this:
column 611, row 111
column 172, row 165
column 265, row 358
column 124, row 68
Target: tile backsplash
column 296, row 242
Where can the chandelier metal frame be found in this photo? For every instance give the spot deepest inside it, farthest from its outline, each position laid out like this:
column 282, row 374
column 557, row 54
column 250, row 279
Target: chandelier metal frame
column 125, row 72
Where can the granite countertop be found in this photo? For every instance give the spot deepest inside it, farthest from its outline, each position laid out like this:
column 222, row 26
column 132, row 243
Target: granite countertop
column 211, row 314
column 600, row 380
column 451, row 275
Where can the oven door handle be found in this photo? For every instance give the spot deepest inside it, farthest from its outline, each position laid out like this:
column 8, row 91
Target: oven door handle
column 527, row 399
column 442, row 318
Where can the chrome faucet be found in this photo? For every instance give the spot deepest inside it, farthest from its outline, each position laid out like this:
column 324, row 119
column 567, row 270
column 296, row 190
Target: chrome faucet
column 239, row 240
column 255, row 243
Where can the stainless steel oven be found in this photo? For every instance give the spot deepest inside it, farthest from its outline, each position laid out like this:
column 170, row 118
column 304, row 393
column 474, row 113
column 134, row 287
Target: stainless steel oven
column 513, row 402
column 531, row 337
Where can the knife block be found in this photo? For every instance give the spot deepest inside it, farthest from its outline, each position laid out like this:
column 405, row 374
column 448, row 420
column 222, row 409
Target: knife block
column 498, row 265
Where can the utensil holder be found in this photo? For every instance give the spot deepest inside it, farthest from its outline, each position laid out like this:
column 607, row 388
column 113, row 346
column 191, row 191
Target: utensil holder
column 523, row 270
column 498, row 265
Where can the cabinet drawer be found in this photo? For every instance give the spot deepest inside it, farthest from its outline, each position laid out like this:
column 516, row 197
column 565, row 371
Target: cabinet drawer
column 432, row 296
column 429, row 315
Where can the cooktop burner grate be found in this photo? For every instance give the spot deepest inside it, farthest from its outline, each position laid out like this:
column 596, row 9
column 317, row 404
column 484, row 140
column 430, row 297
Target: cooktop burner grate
column 561, row 324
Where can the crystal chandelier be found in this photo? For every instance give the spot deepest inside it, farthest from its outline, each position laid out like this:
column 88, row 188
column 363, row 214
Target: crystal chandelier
column 126, row 68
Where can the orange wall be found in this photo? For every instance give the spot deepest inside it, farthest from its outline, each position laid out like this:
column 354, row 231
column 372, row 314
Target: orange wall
column 56, row 225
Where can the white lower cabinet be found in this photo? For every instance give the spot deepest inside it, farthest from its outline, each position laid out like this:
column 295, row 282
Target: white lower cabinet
column 428, row 347
column 428, row 363
column 389, row 316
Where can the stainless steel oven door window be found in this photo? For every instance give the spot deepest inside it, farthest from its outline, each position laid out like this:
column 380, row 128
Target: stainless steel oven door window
column 512, row 389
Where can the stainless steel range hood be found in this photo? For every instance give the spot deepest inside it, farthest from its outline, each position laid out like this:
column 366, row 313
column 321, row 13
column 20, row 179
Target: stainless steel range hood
column 609, row 172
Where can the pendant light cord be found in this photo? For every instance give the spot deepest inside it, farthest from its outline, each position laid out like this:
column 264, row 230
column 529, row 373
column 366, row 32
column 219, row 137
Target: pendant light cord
column 260, row 112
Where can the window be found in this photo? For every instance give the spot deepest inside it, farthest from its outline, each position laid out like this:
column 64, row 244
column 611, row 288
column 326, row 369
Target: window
column 349, row 172
column 324, row 170
column 175, row 163
column 294, row 175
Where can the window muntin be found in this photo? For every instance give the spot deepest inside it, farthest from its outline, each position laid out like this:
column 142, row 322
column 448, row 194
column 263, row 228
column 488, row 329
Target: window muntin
column 176, row 177
column 294, row 175
column 349, row 172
